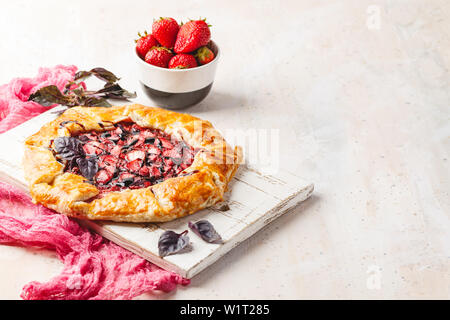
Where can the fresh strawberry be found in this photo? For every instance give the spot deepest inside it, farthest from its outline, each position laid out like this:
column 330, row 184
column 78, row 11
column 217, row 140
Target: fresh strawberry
column 204, row 55
column 134, row 165
column 126, row 175
column 116, row 150
column 166, row 169
column 154, row 150
column 153, row 157
column 155, row 172
column 147, row 134
column 171, row 153
column 192, row 35
column 126, row 179
column 165, row 30
column 145, row 43
column 159, row 56
column 106, row 161
column 94, row 148
column 103, row 176
column 144, row 171
column 182, row 61
column 166, row 143
column 135, row 154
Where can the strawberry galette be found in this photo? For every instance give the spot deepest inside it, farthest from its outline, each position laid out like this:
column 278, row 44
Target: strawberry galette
column 128, row 163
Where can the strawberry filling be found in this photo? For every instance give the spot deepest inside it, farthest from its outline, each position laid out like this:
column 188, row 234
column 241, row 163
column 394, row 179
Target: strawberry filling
column 130, row 156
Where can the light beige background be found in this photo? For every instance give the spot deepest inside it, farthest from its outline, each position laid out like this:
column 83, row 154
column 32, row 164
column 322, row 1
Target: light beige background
column 360, row 92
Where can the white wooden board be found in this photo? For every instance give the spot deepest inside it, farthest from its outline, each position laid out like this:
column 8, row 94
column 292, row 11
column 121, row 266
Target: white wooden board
column 254, row 200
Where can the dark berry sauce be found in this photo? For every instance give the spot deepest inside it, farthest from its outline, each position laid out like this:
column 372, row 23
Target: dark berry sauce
column 130, row 156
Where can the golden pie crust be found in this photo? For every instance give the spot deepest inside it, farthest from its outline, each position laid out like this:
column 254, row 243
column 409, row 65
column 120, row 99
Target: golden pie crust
column 199, row 186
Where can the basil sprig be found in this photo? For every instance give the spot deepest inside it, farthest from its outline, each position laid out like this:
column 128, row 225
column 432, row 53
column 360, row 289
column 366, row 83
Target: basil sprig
column 75, row 94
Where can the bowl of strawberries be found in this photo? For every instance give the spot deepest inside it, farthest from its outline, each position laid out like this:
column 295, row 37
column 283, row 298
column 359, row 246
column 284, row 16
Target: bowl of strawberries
column 177, row 62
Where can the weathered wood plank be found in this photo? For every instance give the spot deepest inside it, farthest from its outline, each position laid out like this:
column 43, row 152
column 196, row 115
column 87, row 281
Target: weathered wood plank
column 254, row 201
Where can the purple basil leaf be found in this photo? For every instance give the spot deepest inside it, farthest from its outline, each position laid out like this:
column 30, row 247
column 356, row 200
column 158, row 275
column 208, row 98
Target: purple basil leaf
column 205, row 230
column 78, row 96
column 68, row 148
column 96, row 102
column 72, row 164
column 48, row 96
column 88, row 167
column 80, row 75
column 223, row 207
column 104, row 75
column 115, row 91
column 171, row 242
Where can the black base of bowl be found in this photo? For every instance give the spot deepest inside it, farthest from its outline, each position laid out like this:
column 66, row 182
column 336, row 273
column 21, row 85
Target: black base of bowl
column 176, row 100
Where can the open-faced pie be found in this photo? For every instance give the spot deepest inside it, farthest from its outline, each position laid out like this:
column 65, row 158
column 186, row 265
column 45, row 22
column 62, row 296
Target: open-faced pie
column 128, row 163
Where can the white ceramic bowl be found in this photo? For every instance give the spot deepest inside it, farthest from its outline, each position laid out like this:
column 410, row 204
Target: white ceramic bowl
column 177, row 88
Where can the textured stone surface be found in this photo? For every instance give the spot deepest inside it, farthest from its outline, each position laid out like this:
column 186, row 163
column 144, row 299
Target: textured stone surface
column 363, row 112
